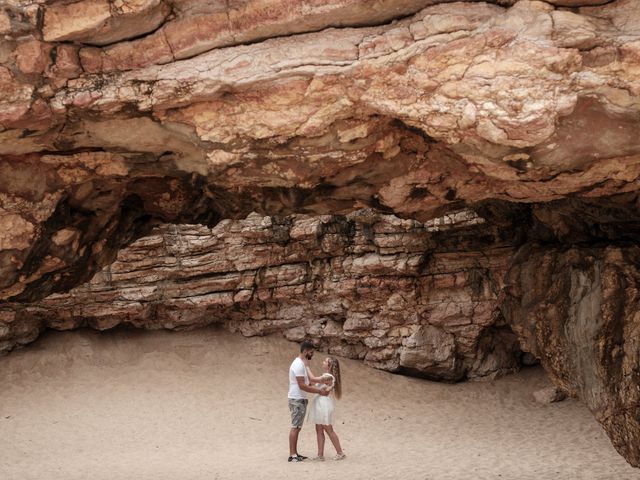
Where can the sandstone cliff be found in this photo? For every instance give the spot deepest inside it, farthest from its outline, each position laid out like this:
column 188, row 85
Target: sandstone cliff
column 385, row 290
column 117, row 116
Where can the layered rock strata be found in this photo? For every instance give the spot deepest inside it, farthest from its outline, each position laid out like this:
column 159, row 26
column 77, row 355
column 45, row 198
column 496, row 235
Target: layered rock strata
column 441, row 300
column 315, row 107
column 118, row 115
column 367, row 286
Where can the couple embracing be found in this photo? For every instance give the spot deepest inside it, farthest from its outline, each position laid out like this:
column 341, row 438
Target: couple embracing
column 327, row 387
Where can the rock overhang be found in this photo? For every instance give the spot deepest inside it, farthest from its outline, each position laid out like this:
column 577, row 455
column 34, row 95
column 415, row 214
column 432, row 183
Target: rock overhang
column 526, row 113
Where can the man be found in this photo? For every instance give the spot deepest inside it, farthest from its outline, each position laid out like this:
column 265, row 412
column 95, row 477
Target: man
column 298, row 388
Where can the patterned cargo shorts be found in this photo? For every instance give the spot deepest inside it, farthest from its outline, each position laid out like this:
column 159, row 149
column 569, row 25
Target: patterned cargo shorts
column 298, row 408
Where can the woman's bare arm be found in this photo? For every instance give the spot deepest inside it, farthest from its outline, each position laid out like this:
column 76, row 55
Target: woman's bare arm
column 309, row 388
column 312, row 377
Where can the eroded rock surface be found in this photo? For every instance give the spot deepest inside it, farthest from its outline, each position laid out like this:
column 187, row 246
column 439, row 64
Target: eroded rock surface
column 412, row 107
column 118, row 115
column 367, row 286
column 577, row 310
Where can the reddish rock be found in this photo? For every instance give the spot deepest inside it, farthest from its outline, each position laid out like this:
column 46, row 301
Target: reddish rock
column 33, row 56
column 264, row 275
column 67, row 63
column 18, row 232
column 15, row 99
column 515, row 122
column 576, row 310
column 100, row 22
column 195, row 34
column 5, row 23
column 152, row 49
column 76, row 20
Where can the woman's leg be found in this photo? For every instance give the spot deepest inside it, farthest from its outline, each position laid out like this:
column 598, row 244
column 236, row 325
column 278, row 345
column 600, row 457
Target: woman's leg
column 334, row 438
column 320, row 437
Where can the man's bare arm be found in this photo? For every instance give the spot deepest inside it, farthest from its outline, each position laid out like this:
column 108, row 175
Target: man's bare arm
column 309, row 388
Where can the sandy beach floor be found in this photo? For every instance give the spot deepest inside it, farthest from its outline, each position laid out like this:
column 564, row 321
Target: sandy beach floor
column 207, row 404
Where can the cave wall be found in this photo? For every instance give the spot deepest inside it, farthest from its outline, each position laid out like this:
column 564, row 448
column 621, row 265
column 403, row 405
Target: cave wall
column 118, row 118
column 402, row 296
column 577, row 310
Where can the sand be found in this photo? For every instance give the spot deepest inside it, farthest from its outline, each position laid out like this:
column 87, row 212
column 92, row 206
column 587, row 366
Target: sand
column 208, row 404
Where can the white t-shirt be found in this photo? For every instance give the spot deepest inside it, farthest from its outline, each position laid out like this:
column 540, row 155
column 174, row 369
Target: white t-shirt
column 297, row 369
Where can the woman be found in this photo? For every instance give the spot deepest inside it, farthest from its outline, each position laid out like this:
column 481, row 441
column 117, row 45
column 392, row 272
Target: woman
column 321, row 411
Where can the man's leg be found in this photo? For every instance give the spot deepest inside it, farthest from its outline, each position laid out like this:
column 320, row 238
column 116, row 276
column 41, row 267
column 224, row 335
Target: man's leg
column 298, row 408
column 293, row 441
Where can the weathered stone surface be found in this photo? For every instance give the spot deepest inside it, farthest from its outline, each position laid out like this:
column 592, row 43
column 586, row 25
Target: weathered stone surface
column 458, row 102
column 385, row 291
column 577, row 310
column 32, row 56
column 67, row 63
column 5, row 23
column 549, row 395
column 101, row 22
column 202, row 26
column 118, row 115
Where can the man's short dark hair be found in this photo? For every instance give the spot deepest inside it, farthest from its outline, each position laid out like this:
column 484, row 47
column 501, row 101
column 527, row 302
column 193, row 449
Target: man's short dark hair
column 306, row 345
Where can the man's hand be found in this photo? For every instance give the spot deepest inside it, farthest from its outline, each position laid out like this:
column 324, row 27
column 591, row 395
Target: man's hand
column 323, row 392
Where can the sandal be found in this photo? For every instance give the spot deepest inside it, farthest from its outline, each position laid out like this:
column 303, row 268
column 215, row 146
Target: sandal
column 340, row 456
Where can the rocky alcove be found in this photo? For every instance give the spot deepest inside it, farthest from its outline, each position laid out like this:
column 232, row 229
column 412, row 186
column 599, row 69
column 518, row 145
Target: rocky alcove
column 433, row 187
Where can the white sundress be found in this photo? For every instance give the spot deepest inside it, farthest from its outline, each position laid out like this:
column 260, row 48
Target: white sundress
column 322, row 408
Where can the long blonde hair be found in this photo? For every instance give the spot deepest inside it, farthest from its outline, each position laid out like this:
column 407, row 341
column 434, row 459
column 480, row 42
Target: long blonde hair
column 334, row 369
